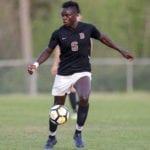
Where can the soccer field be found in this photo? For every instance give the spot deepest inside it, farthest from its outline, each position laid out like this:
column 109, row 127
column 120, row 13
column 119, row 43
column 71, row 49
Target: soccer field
column 116, row 121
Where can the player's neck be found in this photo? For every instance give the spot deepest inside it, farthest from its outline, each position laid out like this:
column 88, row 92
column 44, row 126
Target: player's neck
column 74, row 25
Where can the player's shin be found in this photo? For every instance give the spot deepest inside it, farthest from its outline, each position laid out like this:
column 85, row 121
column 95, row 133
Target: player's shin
column 52, row 128
column 52, row 138
column 81, row 117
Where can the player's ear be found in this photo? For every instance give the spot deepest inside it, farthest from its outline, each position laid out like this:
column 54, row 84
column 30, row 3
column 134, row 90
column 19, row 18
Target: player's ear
column 79, row 17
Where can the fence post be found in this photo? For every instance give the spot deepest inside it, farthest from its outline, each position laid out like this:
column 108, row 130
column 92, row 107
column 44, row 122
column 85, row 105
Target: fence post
column 129, row 76
column 26, row 44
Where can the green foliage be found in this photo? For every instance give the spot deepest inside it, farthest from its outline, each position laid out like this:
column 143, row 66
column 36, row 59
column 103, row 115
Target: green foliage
column 123, row 21
column 44, row 22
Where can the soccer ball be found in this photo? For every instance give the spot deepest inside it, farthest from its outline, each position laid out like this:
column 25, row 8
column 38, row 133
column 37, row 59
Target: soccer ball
column 59, row 114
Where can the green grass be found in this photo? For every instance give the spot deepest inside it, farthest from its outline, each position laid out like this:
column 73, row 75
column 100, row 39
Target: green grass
column 116, row 121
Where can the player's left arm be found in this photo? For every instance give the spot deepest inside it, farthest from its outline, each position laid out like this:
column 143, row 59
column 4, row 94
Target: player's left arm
column 107, row 41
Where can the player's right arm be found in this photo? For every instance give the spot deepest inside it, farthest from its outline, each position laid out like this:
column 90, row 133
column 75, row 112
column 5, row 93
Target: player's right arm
column 41, row 59
column 55, row 61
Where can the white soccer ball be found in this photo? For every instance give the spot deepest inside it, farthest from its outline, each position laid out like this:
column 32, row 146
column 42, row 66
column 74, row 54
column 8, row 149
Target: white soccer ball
column 59, row 114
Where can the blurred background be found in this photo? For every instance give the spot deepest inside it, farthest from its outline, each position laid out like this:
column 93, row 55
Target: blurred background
column 26, row 27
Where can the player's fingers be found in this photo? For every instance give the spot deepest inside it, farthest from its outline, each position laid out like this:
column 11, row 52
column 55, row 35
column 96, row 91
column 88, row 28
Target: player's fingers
column 130, row 58
column 30, row 72
column 31, row 69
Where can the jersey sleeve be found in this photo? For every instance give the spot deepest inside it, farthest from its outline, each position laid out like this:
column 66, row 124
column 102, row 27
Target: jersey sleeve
column 53, row 40
column 95, row 33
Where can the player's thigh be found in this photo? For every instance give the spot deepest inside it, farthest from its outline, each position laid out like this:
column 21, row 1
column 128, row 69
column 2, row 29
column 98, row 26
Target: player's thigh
column 59, row 100
column 83, row 87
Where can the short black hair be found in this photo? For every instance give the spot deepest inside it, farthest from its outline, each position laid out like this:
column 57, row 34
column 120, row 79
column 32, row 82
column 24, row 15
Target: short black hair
column 71, row 4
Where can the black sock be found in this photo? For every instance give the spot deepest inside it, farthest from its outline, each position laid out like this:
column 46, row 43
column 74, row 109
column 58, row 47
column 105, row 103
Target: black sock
column 52, row 127
column 77, row 132
column 82, row 114
column 72, row 98
column 52, row 137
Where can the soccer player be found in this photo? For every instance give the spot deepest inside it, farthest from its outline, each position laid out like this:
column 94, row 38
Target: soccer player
column 72, row 94
column 73, row 38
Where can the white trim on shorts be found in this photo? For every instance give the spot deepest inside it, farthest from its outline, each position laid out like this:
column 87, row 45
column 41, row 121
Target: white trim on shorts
column 63, row 84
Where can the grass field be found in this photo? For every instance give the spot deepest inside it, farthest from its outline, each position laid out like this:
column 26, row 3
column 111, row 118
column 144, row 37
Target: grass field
column 116, row 121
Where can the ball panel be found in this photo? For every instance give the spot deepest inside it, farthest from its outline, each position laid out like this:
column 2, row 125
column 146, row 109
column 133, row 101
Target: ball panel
column 53, row 114
column 62, row 111
column 55, row 107
column 61, row 120
column 59, row 114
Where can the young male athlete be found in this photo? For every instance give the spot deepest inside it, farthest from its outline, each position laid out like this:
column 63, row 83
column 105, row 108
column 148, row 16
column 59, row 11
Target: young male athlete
column 74, row 69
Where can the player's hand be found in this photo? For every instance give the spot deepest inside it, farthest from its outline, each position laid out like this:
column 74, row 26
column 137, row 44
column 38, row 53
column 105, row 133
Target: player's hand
column 33, row 67
column 127, row 55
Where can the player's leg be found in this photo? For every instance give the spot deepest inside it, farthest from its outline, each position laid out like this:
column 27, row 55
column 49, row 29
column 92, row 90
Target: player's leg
column 73, row 102
column 72, row 98
column 58, row 100
column 83, row 87
column 61, row 86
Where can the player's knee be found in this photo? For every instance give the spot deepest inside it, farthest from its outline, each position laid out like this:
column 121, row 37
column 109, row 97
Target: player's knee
column 84, row 95
column 84, row 100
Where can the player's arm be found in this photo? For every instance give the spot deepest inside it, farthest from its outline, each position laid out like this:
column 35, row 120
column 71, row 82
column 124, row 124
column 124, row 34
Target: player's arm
column 107, row 41
column 55, row 61
column 42, row 58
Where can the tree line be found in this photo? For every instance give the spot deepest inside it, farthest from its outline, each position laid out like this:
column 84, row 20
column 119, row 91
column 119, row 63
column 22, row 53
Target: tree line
column 127, row 22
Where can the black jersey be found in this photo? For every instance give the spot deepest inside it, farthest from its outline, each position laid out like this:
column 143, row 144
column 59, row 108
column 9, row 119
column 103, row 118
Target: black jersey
column 75, row 47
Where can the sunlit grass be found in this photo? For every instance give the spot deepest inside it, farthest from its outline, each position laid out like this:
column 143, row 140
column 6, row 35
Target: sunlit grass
column 116, row 121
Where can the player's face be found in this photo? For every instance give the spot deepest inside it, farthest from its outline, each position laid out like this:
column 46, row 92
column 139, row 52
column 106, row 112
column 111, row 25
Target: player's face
column 69, row 16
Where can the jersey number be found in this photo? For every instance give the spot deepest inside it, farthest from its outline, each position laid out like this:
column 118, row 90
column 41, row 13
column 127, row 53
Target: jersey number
column 74, row 46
